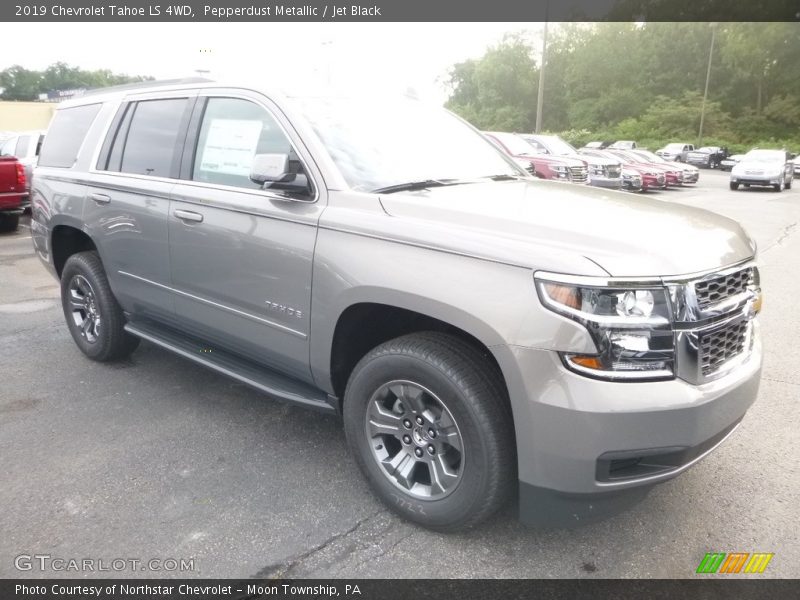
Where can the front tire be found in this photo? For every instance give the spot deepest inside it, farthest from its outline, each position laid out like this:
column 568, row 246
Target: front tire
column 778, row 187
column 427, row 418
column 93, row 315
column 734, row 186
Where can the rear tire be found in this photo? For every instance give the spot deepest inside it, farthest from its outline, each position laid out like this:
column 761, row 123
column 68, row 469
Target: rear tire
column 9, row 223
column 93, row 315
column 405, row 402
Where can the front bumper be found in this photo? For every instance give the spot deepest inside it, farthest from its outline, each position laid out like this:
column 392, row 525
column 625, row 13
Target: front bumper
column 588, row 447
column 691, row 177
column 613, row 183
column 757, row 179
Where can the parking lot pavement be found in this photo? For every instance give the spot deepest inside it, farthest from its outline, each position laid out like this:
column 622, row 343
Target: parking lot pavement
column 158, row 458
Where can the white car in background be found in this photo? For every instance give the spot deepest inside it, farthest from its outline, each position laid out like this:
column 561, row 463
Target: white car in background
column 675, row 152
column 764, row 168
column 726, row 164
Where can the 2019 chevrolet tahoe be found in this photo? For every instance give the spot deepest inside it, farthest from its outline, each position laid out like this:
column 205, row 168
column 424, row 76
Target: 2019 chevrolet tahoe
column 480, row 332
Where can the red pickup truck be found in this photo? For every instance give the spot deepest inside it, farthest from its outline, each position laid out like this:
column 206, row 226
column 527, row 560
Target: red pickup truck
column 12, row 192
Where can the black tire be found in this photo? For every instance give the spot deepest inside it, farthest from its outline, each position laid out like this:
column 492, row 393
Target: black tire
column 789, row 185
column 778, row 187
column 472, row 392
column 734, row 186
column 104, row 339
column 9, row 223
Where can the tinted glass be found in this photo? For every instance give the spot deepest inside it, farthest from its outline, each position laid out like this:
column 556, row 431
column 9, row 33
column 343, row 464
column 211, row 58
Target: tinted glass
column 150, row 144
column 232, row 132
column 65, row 135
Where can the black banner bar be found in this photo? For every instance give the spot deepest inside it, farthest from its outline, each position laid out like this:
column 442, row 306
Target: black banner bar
column 281, row 11
column 715, row 588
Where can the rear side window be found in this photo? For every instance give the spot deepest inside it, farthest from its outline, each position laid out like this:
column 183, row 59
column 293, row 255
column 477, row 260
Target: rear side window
column 65, row 135
column 148, row 147
column 22, row 146
column 9, row 147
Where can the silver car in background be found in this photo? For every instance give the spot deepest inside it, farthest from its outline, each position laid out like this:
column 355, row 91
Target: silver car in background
column 763, row 167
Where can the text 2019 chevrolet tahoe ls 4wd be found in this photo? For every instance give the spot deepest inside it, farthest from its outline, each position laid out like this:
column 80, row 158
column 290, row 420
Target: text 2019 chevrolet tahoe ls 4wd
column 480, row 332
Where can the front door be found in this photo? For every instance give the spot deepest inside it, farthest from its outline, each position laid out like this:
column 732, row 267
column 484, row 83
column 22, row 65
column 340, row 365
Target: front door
column 241, row 255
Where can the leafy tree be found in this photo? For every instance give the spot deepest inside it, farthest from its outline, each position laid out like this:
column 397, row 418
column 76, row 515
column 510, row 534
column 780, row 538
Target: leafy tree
column 19, row 83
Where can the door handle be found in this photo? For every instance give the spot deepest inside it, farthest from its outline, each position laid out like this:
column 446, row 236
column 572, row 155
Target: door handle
column 100, row 198
column 188, row 215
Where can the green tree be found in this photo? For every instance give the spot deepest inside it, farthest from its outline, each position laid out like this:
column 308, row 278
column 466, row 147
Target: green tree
column 497, row 91
column 19, row 83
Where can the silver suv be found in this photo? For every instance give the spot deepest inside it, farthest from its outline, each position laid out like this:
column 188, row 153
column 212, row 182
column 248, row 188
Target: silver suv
column 481, row 333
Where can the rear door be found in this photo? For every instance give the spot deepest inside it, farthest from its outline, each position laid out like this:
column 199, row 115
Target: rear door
column 241, row 255
column 128, row 199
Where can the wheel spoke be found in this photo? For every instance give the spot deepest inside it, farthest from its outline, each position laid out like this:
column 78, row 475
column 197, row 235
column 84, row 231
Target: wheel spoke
column 410, row 395
column 86, row 326
column 451, row 437
column 382, row 421
column 442, row 476
column 76, row 301
column 399, row 467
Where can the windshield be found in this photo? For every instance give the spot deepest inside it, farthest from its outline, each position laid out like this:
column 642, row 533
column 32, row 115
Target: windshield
column 513, row 143
column 765, row 156
column 556, row 145
column 382, row 143
column 651, row 156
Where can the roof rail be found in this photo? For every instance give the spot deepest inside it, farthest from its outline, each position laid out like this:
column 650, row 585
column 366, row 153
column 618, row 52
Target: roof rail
column 145, row 84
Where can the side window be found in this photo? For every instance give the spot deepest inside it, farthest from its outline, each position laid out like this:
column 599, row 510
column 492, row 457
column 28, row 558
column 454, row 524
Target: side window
column 232, row 132
column 151, row 140
column 65, row 135
column 9, row 147
column 23, row 144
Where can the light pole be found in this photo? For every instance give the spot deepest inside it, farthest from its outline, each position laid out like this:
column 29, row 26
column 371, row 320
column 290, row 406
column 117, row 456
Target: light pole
column 540, row 95
column 708, row 77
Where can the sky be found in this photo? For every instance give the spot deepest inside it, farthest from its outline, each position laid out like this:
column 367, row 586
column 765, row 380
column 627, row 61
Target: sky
column 394, row 56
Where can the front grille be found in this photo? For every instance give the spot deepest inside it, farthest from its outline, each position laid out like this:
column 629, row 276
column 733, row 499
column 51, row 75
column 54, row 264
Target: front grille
column 579, row 174
column 718, row 289
column 718, row 347
column 613, row 171
column 660, row 180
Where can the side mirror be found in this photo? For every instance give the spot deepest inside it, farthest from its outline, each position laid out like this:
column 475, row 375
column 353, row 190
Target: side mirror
column 267, row 168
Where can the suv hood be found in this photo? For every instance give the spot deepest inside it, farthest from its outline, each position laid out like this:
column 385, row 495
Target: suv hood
column 596, row 160
column 552, row 226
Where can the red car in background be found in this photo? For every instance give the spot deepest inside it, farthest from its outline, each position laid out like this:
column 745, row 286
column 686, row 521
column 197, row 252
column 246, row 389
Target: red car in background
column 653, row 178
column 12, row 191
column 558, row 168
column 673, row 176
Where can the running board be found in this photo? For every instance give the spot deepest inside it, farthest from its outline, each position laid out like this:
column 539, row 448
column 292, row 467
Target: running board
column 272, row 383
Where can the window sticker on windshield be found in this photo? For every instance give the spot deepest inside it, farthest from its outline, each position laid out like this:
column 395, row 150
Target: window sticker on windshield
column 230, row 146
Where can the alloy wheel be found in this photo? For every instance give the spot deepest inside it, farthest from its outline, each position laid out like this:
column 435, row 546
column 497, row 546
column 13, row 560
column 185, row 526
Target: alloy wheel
column 415, row 440
column 84, row 309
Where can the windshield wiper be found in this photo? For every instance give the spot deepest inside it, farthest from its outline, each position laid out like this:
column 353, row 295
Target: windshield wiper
column 415, row 185
column 503, row 177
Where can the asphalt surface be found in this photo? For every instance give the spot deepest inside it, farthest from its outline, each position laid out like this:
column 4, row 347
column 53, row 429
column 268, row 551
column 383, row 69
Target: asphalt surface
column 158, row 458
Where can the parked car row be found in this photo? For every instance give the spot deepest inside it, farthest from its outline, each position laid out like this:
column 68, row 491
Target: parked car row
column 621, row 165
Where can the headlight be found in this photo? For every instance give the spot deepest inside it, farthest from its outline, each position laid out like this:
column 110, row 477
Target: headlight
column 561, row 171
column 630, row 326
